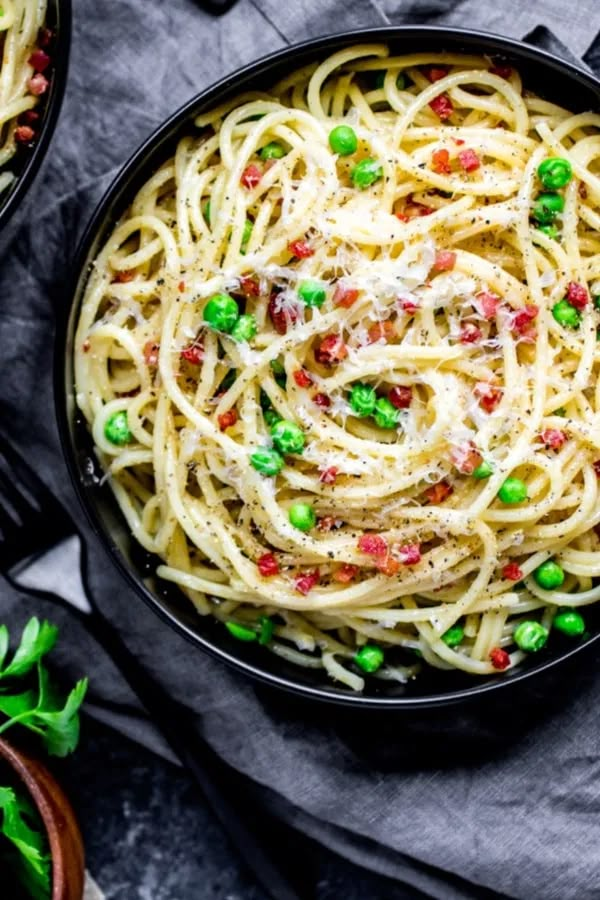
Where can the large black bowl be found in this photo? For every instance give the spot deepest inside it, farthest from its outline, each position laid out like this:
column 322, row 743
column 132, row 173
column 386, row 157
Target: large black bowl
column 551, row 77
column 28, row 160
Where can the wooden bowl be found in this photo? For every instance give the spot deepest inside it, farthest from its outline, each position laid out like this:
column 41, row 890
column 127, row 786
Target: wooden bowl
column 64, row 837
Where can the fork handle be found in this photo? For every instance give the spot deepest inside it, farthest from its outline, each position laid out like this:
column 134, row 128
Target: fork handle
column 249, row 827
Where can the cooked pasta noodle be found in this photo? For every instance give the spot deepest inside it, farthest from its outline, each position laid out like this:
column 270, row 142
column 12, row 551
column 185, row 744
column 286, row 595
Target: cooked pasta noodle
column 22, row 81
column 343, row 383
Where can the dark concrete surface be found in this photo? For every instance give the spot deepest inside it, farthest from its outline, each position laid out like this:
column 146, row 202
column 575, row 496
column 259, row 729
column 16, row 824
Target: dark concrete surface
column 149, row 836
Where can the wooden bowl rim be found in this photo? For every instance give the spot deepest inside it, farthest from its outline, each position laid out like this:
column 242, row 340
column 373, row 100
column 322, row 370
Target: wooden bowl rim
column 38, row 785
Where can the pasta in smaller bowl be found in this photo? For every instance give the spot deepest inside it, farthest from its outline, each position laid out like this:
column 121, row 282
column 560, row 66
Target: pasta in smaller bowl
column 336, row 356
column 34, row 41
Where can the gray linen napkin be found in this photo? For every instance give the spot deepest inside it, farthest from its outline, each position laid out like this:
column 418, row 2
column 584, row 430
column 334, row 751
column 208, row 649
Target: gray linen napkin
column 510, row 808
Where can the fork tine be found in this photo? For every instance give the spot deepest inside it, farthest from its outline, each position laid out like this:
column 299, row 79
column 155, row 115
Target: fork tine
column 8, row 522
column 33, row 491
column 13, row 500
column 31, row 517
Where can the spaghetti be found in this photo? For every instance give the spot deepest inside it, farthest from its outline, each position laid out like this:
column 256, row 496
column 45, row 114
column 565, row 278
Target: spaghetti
column 22, row 79
column 339, row 359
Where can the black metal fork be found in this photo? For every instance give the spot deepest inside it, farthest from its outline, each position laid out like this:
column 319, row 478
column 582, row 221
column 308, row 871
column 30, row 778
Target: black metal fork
column 33, row 524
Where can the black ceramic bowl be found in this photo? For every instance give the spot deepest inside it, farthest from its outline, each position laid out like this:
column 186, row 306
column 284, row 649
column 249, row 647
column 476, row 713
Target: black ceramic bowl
column 549, row 76
column 28, row 159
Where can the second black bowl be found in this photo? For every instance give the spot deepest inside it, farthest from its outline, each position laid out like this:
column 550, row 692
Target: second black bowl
column 28, row 158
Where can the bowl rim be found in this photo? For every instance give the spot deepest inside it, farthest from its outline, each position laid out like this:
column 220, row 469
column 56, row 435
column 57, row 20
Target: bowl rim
column 58, row 84
column 120, row 187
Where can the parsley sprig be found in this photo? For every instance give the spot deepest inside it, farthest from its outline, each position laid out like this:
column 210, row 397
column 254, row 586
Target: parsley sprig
column 41, row 709
column 44, row 710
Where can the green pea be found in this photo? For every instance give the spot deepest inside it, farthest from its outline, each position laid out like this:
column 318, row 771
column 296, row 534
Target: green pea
column 246, row 235
column 244, row 329
column 277, row 367
column 555, row 172
column 379, row 83
column 240, row 632
column 312, row 293
column 550, row 231
column 549, row 575
column 386, row 415
column 116, row 429
column 267, row 461
column 530, row 636
column 369, row 658
column 302, row 516
column 453, row 637
column 362, row 400
column 513, row 490
column 569, row 622
column 343, row 140
column 278, row 370
column 287, row 437
column 206, row 211
column 366, row 173
column 221, row 312
column 274, row 150
column 266, row 630
column 566, row 315
column 547, row 207
column 271, row 417
column 483, row 470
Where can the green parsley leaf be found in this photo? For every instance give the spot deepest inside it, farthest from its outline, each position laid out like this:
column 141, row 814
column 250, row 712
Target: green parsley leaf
column 60, row 728
column 49, row 697
column 22, row 827
column 37, row 639
column 17, row 707
column 45, row 711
